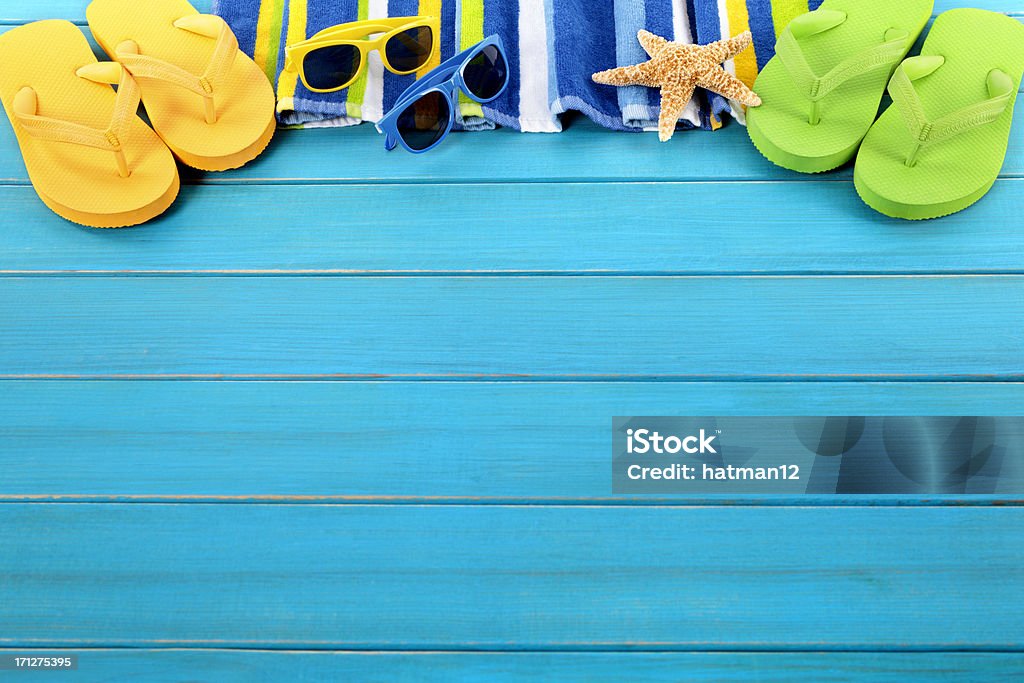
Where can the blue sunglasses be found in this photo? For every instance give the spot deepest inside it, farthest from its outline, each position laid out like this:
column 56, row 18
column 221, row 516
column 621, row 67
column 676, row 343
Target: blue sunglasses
column 425, row 113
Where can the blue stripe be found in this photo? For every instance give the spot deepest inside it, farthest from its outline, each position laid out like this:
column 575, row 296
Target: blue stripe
column 242, row 18
column 659, row 18
column 708, row 27
column 321, row 15
column 584, row 46
column 763, row 27
column 449, row 19
column 630, row 17
column 549, row 16
column 502, row 17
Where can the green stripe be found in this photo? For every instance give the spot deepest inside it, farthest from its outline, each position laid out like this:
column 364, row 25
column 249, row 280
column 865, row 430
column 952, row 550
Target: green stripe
column 785, row 11
column 357, row 91
column 274, row 46
column 471, row 32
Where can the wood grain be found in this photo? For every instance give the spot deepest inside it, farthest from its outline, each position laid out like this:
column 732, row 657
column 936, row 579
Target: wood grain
column 544, row 228
column 552, row 327
column 400, row 442
column 248, row 666
column 453, row 358
column 501, row 578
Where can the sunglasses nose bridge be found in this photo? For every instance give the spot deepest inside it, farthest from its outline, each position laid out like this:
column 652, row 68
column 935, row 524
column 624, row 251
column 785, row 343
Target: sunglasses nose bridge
column 451, row 88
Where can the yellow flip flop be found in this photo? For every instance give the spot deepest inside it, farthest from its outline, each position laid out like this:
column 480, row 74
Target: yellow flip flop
column 90, row 158
column 209, row 102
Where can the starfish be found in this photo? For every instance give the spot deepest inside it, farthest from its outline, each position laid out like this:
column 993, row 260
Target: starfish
column 678, row 69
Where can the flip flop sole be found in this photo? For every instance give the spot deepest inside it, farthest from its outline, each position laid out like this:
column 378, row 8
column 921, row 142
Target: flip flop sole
column 916, row 212
column 230, row 161
column 124, row 219
column 792, row 161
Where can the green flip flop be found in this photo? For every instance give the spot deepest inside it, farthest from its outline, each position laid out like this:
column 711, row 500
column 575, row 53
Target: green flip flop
column 813, row 123
column 939, row 148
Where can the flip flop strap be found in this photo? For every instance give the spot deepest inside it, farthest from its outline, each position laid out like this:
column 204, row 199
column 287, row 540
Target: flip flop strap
column 111, row 139
column 816, row 87
column 927, row 132
column 224, row 52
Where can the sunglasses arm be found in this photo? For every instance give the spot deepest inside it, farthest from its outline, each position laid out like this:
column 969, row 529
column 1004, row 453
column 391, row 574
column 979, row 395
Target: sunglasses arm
column 360, row 29
column 389, row 141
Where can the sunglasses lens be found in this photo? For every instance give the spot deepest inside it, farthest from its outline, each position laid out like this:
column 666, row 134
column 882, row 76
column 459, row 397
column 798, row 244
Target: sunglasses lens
column 485, row 75
column 410, row 50
column 329, row 68
column 424, row 121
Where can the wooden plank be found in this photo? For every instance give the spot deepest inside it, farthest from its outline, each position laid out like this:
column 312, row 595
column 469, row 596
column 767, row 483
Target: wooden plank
column 511, row 578
column 546, row 228
column 227, row 666
column 398, row 442
column 513, row 328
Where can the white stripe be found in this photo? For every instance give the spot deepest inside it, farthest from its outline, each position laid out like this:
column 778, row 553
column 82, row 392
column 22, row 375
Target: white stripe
column 723, row 19
column 373, row 99
column 681, row 22
column 681, row 27
column 534, row 108
column 730, row 66
column 340, row 122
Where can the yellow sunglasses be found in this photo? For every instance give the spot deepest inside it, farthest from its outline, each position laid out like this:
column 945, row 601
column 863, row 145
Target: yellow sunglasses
column 334, row 58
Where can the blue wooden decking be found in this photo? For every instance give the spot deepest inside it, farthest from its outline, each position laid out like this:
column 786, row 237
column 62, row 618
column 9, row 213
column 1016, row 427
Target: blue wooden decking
column 322, row 422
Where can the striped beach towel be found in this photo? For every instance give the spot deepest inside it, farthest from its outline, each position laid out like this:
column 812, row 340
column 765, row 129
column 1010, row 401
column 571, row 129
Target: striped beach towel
column 554, row 46
column 265, row 27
